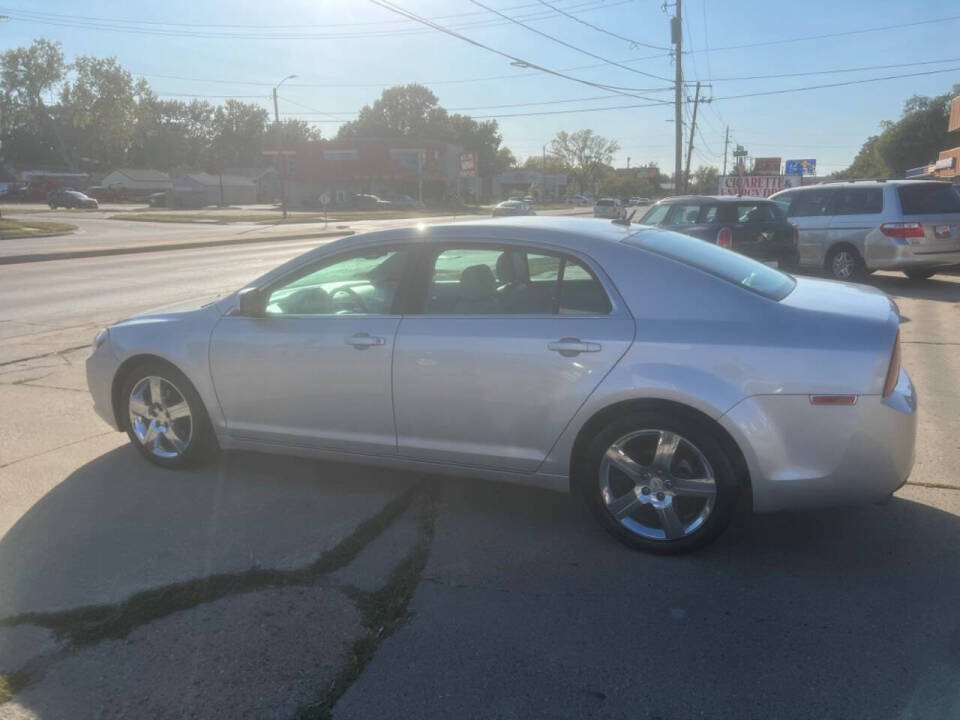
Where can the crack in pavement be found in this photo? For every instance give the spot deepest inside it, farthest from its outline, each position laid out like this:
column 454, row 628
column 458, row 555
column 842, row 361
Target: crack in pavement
column 54, row 449
column 934, row 486
column 40, row 356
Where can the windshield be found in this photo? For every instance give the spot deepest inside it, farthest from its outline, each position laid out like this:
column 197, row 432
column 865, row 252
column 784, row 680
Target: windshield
column 719, row 262
column 605, row 203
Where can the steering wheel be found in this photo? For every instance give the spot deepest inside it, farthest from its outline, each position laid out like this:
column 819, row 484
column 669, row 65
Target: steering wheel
column 353, row 296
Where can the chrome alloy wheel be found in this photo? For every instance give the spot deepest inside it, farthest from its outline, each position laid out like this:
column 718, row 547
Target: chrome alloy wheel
column 160, row 417
column 657, row 484
column 843, row 264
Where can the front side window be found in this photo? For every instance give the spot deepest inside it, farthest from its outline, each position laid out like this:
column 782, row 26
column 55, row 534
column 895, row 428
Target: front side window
column 500, row 280
column 655, row 215
column 358, row 284
column 685, row 214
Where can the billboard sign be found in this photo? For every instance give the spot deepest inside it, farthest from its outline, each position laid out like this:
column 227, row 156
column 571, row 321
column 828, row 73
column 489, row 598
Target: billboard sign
column 801, row 167
column 468, row 164
column 756, row 185
column 766, row 165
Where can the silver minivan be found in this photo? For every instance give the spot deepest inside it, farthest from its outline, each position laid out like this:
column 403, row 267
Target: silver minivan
column 853, row 228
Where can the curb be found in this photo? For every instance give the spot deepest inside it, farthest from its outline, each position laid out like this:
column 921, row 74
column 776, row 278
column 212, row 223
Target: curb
column 104, row 252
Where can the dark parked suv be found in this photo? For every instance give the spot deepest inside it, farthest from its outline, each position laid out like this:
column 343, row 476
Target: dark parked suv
column 70, row 199
column 751, row 226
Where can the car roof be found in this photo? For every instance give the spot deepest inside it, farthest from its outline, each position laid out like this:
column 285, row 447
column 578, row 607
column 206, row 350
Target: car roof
column 712, row 199
column 879, row 183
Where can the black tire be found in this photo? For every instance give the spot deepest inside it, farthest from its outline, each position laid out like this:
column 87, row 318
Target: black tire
column 699, row 434
column 845, row 263
column 201, row 442
column 920, row 274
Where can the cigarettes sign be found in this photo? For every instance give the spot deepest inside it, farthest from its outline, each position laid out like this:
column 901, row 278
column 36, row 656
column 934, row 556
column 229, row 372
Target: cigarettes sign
column 756, row 185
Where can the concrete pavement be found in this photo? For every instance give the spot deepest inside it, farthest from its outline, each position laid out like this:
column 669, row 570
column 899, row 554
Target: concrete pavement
column 268, row 585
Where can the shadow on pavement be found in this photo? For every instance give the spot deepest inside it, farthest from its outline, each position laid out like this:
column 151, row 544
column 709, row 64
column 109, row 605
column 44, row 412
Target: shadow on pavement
column 941, row 288
column 118, row 525
column 527, row 609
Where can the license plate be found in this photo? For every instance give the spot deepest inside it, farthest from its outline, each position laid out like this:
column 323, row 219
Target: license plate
column 943, row 231
column 771, row 263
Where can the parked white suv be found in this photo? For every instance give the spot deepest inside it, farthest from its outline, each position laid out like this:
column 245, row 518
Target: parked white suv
column 852, row 228
column 610, row 208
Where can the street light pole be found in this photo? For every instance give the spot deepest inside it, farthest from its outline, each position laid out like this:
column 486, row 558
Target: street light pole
column 283, row 158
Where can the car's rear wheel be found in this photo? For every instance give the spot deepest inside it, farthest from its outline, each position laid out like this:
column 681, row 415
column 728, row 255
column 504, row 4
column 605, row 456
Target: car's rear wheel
column 918, row 274
column 845, row 263
column 165, row 417
column 660, row 481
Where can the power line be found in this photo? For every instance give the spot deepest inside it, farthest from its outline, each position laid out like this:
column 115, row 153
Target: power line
column 845, row 33
column 495, row 107
column 600, row 29
column 555, row 39
column 513, row 58
column 177, row 29
column 835, row 71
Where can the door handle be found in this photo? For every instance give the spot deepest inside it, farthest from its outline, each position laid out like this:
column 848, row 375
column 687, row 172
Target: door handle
column 568, row 347
column 361, row 341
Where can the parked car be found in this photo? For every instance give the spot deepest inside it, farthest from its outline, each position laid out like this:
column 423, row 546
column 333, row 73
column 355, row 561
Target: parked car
column 371, row 202
column 405, row 202
column 610, row 208
column 853, row 228
column 578, row 200
column 70, row 199
column 529, row 199
column 158, row 199
column 659, row 377
column 512, row 207
column 751, row 226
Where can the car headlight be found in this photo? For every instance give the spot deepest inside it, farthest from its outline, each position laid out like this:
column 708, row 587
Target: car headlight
column 100, row 338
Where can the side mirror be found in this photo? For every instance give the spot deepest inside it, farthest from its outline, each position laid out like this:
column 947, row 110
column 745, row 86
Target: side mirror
column 252, row 302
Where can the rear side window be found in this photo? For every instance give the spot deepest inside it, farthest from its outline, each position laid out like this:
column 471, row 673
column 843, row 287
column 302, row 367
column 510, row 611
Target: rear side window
column 857, row 201
column 719, row 262
column 655, row 215
column 757, row 212
column 929, row 199
column 809, row 203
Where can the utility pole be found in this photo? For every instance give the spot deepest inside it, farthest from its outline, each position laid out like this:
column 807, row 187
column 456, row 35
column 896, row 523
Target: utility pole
column 283, row 158
column 693, row 128
column 543, row 174
column 726, row 143
column 676, row 35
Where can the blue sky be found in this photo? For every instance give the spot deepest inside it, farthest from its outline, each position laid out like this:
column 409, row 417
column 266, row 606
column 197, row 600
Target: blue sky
column 353, row 42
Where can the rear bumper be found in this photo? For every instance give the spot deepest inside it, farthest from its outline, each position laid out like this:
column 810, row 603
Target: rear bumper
column 803, row 455
column 883, row 253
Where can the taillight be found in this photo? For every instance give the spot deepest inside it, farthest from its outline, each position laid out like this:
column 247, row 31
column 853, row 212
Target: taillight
column 893, row 371
column 725, row 238
column 902, row 230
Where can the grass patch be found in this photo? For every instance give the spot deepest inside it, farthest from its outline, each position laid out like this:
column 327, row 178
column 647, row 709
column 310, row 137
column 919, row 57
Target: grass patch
column 383, row 611
column 32, row 228
column 91, row 624
column 199, row 218
column 6, row 693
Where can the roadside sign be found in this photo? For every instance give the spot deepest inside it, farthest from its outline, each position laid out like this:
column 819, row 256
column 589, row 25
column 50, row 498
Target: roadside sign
column 766, row 166
column 756, row 185
column 468, row 164
column 801, row 167
column 325, row 199
column 739, row 152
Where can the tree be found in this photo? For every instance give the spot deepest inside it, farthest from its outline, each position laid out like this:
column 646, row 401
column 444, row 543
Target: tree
column 98, row 110
column 171, row 133
column 293, row 132
column 238, row 130
column 587, row 154
column 913, row 140
column 705, row 180
column 28, row 128
column 506, row 159
column 413, row 111
column 553, row 163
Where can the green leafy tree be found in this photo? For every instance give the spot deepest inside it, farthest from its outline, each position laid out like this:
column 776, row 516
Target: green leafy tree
column 552, row 163
column 171, row 133
column 98, row 111
column 705, row 180
column 238, row 131
column 28, row 126
column 587, row 154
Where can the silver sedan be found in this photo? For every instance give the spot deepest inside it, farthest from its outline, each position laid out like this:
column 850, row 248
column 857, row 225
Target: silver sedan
column 669, row 382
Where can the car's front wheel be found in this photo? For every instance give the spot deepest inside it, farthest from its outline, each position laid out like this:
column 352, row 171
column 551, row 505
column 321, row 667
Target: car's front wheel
column 660, row 481
column 920, row 274
column 165, row 417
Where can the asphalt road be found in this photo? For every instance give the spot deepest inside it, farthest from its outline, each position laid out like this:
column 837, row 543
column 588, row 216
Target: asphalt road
column 524, row 608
